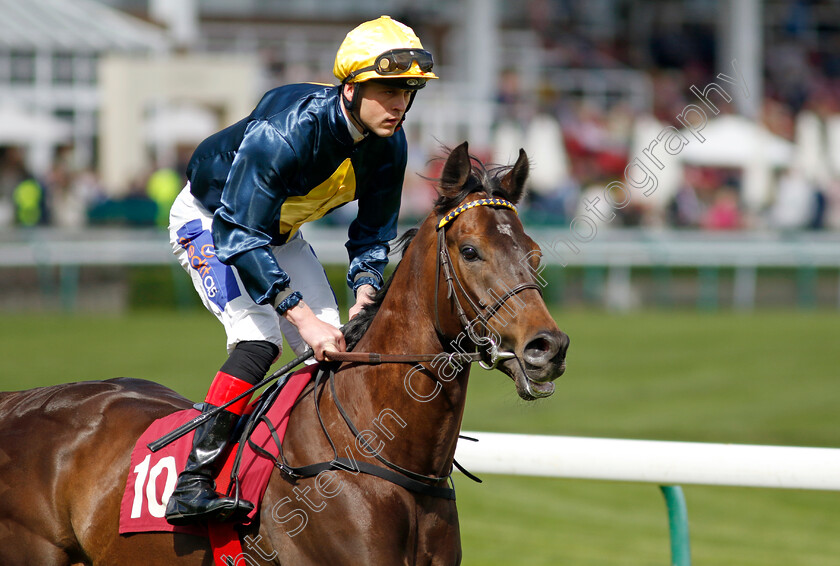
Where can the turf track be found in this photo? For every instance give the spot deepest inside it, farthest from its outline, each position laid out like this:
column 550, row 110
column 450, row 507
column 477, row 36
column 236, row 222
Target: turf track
column 766, row 378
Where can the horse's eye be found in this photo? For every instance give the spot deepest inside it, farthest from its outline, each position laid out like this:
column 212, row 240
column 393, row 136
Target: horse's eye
column 469, row 253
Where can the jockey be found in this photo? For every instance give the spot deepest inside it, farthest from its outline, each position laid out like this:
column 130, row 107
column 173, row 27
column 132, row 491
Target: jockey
column 305, row 150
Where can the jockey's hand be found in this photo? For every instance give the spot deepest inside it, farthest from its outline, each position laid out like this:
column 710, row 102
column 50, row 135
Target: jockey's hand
column 321, row 336
column 364, row 296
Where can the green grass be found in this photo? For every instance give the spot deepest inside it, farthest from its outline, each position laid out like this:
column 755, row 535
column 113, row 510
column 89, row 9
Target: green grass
column 763, row 378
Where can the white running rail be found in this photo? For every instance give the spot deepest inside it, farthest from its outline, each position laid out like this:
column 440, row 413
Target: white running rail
column 660, row 462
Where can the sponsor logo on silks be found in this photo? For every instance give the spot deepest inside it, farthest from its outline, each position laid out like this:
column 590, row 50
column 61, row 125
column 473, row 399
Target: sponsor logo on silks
column 217, row 279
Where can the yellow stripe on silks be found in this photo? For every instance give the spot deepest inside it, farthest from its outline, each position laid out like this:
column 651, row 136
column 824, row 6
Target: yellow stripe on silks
column 472, row 204
column 338, row 189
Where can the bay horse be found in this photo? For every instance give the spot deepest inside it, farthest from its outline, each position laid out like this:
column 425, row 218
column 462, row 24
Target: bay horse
column 466, row 286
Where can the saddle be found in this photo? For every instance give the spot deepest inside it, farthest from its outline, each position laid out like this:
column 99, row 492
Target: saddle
column 152, row 475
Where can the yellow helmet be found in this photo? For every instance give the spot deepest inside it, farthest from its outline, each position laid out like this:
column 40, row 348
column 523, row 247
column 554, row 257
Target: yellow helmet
column 383, row 49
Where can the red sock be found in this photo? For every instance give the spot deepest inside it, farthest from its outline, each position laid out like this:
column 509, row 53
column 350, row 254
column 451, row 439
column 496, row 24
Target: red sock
column 226, row 387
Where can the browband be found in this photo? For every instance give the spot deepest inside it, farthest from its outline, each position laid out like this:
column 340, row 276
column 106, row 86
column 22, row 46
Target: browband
column 472, row 204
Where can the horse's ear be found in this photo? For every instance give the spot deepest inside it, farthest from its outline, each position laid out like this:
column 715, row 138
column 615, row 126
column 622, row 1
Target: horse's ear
column 513, row 183
column 456, row 171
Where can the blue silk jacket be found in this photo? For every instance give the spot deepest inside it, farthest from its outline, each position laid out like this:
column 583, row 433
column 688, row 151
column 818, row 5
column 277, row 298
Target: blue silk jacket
column 291, row 161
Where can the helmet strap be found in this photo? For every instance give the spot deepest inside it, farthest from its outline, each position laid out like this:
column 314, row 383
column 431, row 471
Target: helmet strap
column 352, row 106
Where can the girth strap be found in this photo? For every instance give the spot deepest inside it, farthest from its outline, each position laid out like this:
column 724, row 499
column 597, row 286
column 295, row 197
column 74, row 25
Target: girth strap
column 348, row 465
column 366, row 468
column 399, row 469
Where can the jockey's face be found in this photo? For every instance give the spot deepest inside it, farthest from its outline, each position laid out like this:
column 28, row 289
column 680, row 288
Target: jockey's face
column 381, row 106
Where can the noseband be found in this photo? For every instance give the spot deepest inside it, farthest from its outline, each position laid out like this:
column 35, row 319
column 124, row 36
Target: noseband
column 453, row 283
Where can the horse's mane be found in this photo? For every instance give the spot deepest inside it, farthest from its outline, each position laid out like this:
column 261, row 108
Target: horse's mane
column 356, row 328
column 482, row 178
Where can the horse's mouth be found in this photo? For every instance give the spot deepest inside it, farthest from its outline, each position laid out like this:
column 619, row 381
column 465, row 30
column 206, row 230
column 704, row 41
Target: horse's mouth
column 532, row 383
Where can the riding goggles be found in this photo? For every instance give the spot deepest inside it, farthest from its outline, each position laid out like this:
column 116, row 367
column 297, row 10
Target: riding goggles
column 397, row 62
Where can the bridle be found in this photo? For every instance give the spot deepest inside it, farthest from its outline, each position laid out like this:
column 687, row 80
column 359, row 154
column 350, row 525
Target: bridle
column 454, row 284
column 488, row 359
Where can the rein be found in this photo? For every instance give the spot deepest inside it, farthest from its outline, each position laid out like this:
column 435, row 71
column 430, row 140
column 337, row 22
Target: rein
column 373, row 358
column 395, row 474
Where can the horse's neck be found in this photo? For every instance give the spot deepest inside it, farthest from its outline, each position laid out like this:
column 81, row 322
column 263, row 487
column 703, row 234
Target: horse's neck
column 431, row 407
column 405, row 321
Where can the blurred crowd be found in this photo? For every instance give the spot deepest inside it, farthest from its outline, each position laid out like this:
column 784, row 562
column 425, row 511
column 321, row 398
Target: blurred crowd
column 595, row 146
column 598, row 139
column 67, row 197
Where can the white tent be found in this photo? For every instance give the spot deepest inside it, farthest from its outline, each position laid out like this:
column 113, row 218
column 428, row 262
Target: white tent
column 543, row 141
column 508, row 137
column 738, row 142
column 646, row 130
column 810, row 156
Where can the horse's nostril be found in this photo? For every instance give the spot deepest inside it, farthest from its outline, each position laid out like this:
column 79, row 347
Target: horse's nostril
column 546, row 348
column 542, row 349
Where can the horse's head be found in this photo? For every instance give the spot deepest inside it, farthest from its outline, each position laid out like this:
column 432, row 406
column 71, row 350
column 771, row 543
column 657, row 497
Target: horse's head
column 488, row 292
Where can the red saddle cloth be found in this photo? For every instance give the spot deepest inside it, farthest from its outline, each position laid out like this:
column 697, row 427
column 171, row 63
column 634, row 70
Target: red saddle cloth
column 152, row 475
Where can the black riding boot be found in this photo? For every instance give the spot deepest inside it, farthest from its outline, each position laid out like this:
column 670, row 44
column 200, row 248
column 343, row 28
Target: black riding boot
column 195, row 498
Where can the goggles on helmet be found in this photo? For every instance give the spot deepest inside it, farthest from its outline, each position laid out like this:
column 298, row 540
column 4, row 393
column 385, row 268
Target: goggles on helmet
column 396, row 62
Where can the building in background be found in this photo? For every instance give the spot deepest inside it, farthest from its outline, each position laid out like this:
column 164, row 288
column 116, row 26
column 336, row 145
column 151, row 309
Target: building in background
column 50, row 52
